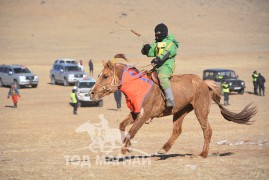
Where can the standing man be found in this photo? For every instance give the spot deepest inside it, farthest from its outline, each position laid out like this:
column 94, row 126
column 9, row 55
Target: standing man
column 226, row 91
column 14, row 93
column 164, row 49
column 254, row 80
column 91, row 67
column 117, row 96
column 260, row 82
column 74, row 101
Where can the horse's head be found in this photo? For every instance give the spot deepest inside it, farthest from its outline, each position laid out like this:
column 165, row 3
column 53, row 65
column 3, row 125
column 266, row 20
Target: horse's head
column 108, row 80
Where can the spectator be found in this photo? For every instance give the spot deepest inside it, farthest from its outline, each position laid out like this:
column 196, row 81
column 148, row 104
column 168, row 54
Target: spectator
column 14, row 93
column 74, row 101
column 117, row 96
column 219, row 77
column 226, row 91
column 91, row 67
column 260, row 82
column 254, row 80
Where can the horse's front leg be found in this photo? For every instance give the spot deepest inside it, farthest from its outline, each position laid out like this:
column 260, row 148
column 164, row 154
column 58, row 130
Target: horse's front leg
column 128, row 120
column 139, row 121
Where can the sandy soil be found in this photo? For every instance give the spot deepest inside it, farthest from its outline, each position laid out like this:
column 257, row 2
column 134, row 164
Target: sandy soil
column 38, row 140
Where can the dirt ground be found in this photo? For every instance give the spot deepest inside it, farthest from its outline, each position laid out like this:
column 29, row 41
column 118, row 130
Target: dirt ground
column 39, row 139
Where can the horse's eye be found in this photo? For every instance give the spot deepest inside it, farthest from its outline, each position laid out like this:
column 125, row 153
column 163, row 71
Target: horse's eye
column 105, row 76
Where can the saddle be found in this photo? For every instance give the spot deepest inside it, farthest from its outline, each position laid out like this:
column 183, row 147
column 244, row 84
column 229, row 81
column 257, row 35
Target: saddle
column 152, row 75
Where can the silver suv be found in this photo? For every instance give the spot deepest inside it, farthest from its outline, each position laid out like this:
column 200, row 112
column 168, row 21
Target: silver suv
column 83, row 88
column 17, row 75
column 66, row 74
column 69, row 61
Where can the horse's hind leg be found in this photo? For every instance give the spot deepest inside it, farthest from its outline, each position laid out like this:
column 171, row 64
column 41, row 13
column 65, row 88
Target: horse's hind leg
column 177, row 121
column 201, row 111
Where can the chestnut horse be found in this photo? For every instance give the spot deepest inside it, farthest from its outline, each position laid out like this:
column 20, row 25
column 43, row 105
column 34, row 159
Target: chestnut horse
column 190, row 92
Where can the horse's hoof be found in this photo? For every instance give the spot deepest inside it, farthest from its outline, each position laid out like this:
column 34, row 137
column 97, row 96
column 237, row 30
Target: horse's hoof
column 203, row 155
column 161, row 152
column 123, row 151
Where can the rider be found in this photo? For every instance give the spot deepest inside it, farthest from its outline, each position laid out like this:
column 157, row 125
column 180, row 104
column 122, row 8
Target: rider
column 164, row 49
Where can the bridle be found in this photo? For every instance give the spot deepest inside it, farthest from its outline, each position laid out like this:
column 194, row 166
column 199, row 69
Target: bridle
column 107, row 88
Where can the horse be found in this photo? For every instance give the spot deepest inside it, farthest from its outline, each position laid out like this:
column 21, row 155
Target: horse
column 190, row 92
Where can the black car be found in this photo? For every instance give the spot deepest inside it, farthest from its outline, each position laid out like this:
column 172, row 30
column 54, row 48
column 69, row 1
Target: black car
column 236, row 85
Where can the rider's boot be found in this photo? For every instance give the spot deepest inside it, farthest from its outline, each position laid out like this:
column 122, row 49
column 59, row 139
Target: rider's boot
column 169, row 97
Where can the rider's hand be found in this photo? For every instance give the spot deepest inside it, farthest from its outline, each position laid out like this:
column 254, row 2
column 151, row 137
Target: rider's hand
column 145, row 49
column 155, row 61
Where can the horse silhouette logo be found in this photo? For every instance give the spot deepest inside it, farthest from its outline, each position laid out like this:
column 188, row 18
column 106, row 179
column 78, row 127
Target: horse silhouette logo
column 101, row 135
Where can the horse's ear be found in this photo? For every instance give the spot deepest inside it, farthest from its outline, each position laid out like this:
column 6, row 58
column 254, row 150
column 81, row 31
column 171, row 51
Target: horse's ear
column 109, row 64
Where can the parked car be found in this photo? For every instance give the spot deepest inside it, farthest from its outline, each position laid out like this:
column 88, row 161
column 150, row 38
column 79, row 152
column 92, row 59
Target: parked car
column 65, row 61
column 17, row 75
column 68, row 61
column 66, row 74
column 236, row 85
column 83, row 88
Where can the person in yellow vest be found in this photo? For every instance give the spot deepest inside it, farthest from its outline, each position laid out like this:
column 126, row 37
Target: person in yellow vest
column 219, row 77
column 255, row 83
column 226, row 91
column 74, row 101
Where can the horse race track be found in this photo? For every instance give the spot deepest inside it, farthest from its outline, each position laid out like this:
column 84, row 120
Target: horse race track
column 42, row 139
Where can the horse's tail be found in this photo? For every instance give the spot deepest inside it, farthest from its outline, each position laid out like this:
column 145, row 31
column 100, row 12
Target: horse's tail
column 242, row 117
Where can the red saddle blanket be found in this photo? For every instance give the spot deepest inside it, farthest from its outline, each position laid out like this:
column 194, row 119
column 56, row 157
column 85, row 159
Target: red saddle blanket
column 135, row 86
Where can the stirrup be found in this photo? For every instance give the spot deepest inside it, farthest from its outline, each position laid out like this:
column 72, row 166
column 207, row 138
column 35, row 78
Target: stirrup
column 169, row 103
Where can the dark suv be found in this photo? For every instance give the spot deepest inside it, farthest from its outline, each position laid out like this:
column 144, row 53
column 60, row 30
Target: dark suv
column 236, row 85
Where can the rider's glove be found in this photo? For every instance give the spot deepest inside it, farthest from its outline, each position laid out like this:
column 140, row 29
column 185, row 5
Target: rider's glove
column 145, row 49
column 156, row 61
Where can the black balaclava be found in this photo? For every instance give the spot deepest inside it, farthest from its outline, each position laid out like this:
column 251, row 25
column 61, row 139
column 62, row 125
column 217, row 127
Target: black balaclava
column 161, row 32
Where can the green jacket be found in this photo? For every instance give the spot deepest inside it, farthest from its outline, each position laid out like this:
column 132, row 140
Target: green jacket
column 167, row 49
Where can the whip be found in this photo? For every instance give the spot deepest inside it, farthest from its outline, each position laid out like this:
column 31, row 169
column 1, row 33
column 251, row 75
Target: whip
column 133, row 31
